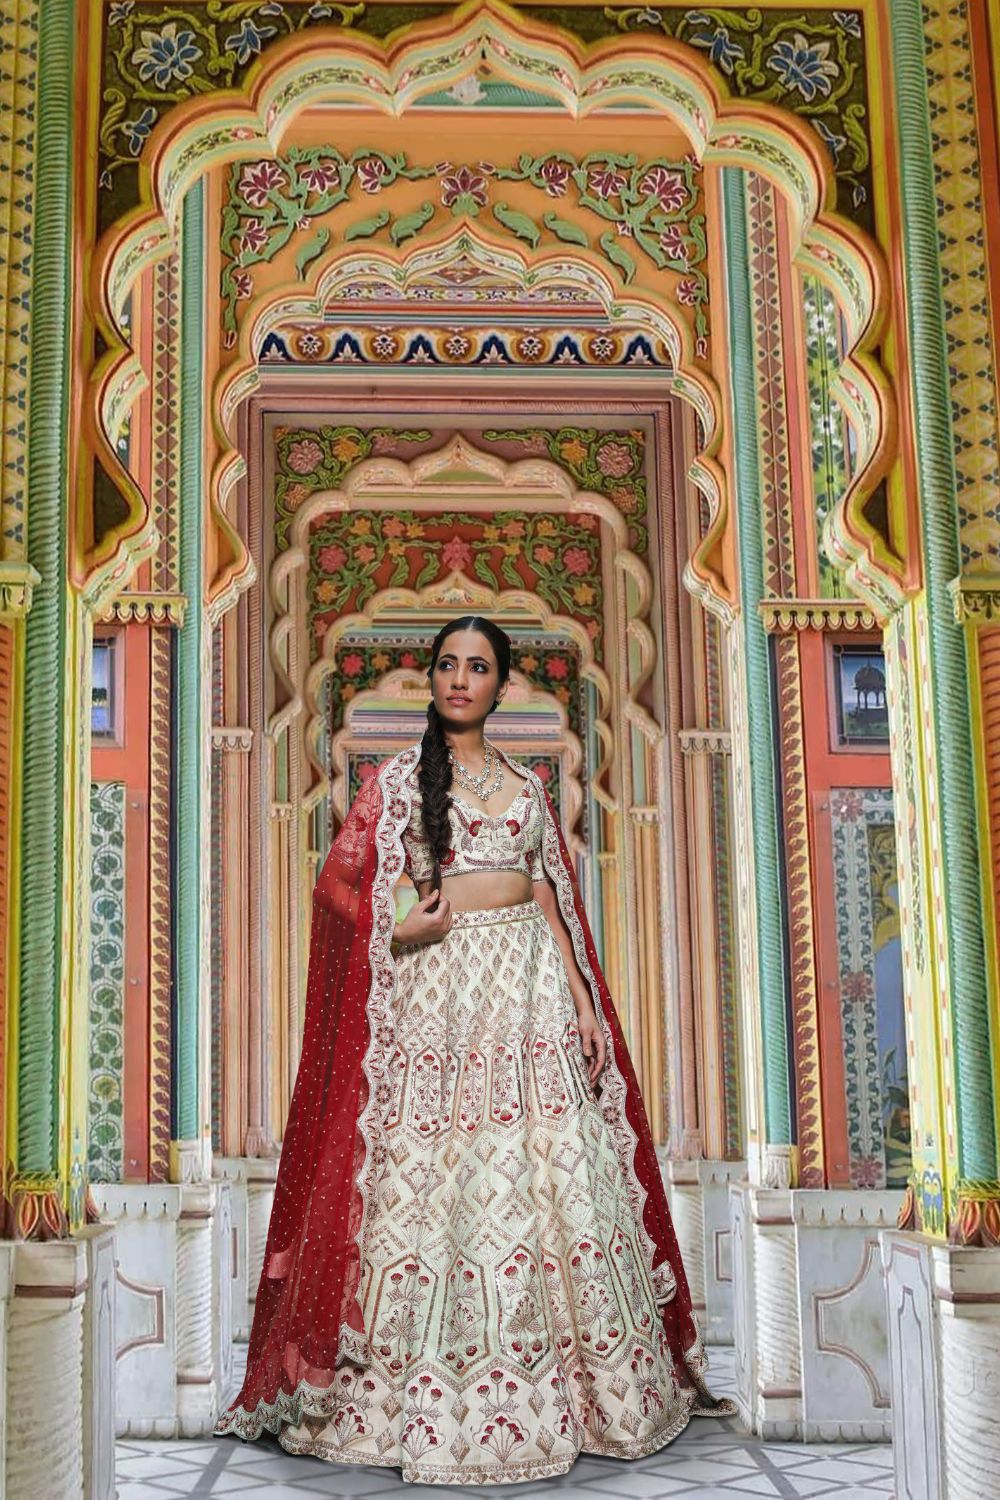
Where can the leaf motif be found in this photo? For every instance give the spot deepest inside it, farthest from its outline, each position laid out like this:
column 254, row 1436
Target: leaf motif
column 518, row 223
column 618, row 256
column 570, row 234
column 411, row 224
column 310, row 251
column 365, row 228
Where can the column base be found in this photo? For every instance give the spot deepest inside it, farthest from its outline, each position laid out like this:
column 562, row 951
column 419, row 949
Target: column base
column 251, row 1180
column 810, row 1334
column 699, row 1202
column 58, row 1323
column 944, row 1355
column 173, row 1305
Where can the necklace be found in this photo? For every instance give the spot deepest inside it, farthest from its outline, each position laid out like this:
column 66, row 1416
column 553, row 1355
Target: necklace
column 477, row 784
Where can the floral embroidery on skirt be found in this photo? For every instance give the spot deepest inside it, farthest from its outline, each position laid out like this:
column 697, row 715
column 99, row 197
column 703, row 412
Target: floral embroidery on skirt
column 511, row 1319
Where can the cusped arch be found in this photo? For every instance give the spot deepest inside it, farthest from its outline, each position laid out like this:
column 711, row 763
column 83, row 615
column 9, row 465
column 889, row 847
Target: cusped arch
column 665, row 76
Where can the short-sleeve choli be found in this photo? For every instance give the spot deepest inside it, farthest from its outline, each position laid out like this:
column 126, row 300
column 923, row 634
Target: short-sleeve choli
column 479, row 842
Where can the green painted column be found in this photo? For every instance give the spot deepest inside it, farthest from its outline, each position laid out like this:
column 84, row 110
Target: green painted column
column 190, row 787
column 46, row 790
column 961, row 845
column 765, row 833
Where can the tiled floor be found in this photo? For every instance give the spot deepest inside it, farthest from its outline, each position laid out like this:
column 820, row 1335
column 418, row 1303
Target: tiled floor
column 710, row 1460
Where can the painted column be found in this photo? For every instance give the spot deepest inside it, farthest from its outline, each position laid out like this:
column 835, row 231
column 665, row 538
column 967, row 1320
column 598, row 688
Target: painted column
column 191, row 1138
column 770, row 1156
column 964, row 1163
column 56, row 643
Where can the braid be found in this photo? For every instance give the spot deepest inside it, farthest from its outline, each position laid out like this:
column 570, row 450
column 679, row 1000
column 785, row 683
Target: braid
column 434, row 770
column 434, row 776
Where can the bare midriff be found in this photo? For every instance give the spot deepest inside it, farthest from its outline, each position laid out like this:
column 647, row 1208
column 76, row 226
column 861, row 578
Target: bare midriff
column 482, row 890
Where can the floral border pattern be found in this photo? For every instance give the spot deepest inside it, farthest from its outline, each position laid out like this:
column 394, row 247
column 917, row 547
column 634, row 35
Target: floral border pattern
column 653, row 210
column 106, row 1062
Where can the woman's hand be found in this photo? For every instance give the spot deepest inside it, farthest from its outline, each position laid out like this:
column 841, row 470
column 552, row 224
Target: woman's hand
column 593, row 1041
column 423, row 926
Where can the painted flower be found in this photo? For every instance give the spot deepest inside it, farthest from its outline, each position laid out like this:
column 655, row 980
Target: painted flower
column 381, row 660
column 555, row 177
column 393, row 526
column 666, row 187
column 573, row 450
column 119, row 11
column 464, row 191
column 583, row 593
column 304, row 456
column 513, row 528
column 603, row 348
column 371, row 174
column 457, row 346
column 673, row 244
column 716, row 41
column 576, row 561
column 361, row 526
column 528, row 663
column 847, row 806
column 254, row 237
column 867, row 1172
column 258, row 179
column 408, row 659
column 166, row 56
column 687, row 291
column 319, row 176
column 248, row 41
column 614, row 460
column 556, row 667
column 624, row 497
column 331, row 558
column 544, row 554
column 348, row 691
column 799, row 66
column 309, row 345
column 385, row 346
column 456, row 552
column 242, row 285
column 295, row 494
column 833, row 142
column 136, row 132
column 605, row 182
column 365, row 553
column 587, row 522
column 326, row 591
column 849, row 21
column 857, row 986
column 530, row 347
column 345, row 448
column 544, row 773
column 352, row 664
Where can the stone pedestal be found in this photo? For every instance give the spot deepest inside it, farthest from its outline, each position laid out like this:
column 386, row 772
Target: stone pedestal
column 44, row 1436
column 845, row 1350
column 99, row 1365
column 944, row 1343
column 699, row 1203
column 252, row 1182
column 811, row 1347
column 173, row 1304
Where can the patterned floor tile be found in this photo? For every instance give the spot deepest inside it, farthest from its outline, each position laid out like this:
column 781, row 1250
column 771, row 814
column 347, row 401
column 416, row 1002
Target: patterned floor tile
column 710, row 1461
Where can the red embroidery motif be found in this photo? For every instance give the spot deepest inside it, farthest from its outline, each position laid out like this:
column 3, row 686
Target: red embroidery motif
column 475, row 826
column 448, row 857
column 513, row 825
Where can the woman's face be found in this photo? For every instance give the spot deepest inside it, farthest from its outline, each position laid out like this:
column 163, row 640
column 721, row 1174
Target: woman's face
column 465, row 679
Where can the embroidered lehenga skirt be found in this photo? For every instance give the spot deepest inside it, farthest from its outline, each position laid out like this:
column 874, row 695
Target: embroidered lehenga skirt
column 511, row 1320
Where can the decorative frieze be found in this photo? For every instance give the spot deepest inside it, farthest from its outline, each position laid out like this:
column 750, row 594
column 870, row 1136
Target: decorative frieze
column 975, row 598
column 146, row 609
column 705, row 741
column 231, row 737
column 782, row 616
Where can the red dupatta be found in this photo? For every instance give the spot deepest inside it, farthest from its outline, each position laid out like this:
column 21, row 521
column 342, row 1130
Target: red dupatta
column 307, row 1317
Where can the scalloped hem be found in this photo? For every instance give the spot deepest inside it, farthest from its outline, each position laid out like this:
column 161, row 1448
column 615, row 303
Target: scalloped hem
column 513, row 1473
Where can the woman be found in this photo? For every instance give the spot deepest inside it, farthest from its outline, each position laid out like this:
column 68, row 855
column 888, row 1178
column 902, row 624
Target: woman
column 470, row 1271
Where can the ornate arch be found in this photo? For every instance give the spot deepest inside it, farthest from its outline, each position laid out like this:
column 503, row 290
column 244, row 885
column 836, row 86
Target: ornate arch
column 666, row 77
column 484, row 481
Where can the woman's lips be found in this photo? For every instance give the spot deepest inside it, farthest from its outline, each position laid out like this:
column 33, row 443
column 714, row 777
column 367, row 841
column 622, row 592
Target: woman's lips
column 460, row 700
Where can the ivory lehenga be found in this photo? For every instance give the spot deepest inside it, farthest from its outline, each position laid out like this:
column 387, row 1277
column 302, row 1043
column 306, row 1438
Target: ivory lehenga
column 470, row 1273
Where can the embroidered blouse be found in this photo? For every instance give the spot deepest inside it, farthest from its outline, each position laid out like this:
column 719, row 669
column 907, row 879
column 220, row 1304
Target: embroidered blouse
column 510, row 841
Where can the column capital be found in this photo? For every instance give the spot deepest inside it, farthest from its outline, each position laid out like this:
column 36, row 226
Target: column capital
column 145, row 609
column 975, row 598
column 17, row 583
column 783, row 616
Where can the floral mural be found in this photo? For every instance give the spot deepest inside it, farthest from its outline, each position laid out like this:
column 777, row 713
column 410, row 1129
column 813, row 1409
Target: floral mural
column 353, row 555
column 653, row 210
column 550, row 663
column 871, row 987
column 609, row 463
column 309, row 459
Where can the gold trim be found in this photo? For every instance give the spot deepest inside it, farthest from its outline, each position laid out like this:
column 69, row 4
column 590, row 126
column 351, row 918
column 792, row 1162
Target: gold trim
column 145, row 609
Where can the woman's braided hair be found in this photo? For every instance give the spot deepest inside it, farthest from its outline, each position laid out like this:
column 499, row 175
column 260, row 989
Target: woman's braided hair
column 434, row 770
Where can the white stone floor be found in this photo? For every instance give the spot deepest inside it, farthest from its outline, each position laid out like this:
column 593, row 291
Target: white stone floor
column 710, row 1460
